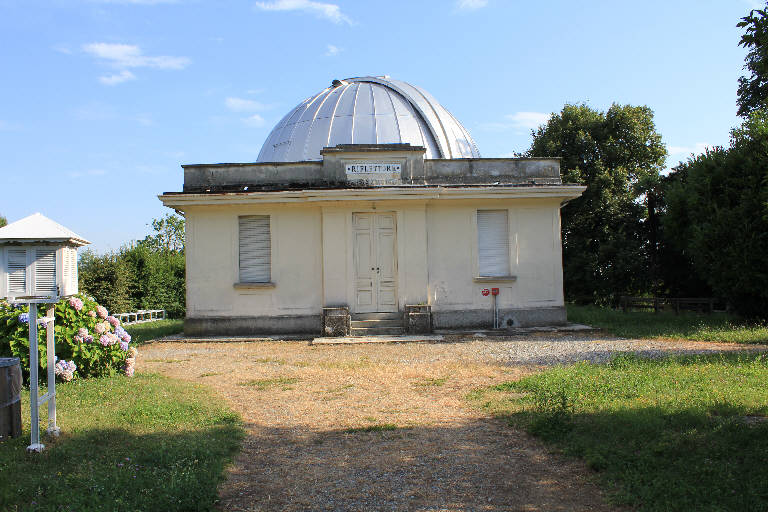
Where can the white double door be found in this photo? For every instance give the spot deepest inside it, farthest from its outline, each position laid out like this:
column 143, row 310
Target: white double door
column 374, row 239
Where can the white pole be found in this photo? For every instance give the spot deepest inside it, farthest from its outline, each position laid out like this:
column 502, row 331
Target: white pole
column 51, row 345
column 34, row 393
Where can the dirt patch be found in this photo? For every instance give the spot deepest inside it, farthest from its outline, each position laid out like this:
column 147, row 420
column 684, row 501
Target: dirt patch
column 373, row 427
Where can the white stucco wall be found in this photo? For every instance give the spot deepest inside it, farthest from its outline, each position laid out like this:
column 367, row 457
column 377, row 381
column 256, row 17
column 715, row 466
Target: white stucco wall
column 535, row 256
column 312, row 256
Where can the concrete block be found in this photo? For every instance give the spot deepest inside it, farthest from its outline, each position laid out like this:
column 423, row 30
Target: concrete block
column 336, row 322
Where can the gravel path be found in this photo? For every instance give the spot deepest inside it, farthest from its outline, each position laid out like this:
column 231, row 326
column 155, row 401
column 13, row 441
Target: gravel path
column 387, row 426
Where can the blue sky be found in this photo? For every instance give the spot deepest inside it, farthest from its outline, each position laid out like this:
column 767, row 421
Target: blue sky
column 102, row 100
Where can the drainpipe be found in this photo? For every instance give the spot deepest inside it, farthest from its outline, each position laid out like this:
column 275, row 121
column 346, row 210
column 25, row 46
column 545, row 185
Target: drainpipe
column 495, row 312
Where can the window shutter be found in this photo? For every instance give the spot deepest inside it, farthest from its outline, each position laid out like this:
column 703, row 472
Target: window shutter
column 255, row 249
column 17, row 272
column 493, row 242
column 45, row 272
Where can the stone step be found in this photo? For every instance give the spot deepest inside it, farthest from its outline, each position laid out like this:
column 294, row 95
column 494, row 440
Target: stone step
column 377, row 331
column 377, row 316
column 361, row 324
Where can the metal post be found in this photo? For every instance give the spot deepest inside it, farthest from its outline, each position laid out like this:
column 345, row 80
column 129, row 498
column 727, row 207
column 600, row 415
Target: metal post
column 34, row 392
column 52, row 430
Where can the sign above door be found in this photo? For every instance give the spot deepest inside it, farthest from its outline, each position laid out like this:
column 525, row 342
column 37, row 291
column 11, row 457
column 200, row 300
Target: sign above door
column 374, row 173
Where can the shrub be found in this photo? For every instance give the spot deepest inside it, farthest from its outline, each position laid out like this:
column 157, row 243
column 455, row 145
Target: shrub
column 85, row 335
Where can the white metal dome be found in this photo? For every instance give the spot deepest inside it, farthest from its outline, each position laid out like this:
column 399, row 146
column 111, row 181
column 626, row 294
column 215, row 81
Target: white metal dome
column 367, row 110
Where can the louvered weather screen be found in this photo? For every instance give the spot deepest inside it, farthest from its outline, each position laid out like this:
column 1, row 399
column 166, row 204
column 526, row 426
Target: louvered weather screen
column 45, row 272
column 17, row 271
column 255, row 249
column 493, row 242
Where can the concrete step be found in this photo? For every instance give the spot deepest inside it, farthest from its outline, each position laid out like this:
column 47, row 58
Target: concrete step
column 361, row 324
column 377, row 316
column 377, row 331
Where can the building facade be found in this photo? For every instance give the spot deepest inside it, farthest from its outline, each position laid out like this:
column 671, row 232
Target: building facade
column 370, row 210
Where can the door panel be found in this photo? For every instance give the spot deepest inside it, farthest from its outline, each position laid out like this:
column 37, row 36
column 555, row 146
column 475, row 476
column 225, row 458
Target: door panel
column 385, row 264
column 375, row 266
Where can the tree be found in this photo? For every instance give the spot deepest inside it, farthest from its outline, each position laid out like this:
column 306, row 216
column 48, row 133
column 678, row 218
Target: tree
column 169, row 234
column 3, row 221
column 618, row 155
column 718, row 216
column 148, row 274
column 108, row 279
column 753, row 90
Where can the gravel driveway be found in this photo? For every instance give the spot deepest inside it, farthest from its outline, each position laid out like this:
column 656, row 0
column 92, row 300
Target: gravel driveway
column 386, row 426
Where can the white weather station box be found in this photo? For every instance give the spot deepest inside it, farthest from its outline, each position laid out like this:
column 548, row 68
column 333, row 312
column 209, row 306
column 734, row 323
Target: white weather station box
column 38, row 265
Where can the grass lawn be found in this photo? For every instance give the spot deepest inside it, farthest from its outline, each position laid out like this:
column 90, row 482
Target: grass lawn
column 147, row 443
column 682, row 433
column 141, row 333
column 692, row 326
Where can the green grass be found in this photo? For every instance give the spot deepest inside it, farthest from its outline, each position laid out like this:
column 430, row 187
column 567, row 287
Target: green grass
column 678, row 434
column 141, row 333
column 380, row 427
column 718, row 327
column 427, row 382
column 147, row 443
column 284, row 383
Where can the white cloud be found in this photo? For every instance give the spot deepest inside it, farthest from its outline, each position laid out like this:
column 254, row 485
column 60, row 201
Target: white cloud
column 255, row 120
column 520, row 122
column 123, row 56
column 332, row 50
column 696, row 149
column 62, row 48
column 471, row 5
column 331, row 12
column 528, row 120
column 118, row 78
column 244, row 105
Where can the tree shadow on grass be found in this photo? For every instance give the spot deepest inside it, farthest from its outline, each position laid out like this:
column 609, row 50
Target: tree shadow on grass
column 116, row 470
column 654, row 460
column 468, row 466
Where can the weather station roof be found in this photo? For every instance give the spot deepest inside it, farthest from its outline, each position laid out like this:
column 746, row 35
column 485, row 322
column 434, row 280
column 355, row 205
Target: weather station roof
column 39, row 228
column 367, row 110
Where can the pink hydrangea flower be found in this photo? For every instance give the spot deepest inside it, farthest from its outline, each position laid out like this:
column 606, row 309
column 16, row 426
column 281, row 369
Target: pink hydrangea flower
column 114, row 321
column 82, row 332
column 102, row 311
column 76, row 303
column 92, row 314
column 100, row 328
column 104, row 340
column 78, row 339
column 129, row 370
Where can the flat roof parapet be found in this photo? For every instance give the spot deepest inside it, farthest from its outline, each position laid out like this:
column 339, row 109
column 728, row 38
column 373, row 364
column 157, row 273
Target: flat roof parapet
column 330, row 172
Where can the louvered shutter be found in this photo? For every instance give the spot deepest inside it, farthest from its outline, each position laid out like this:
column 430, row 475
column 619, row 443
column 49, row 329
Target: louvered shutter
column 493, row 242
column 255, row 249
column 17, row 272
column 45, row 272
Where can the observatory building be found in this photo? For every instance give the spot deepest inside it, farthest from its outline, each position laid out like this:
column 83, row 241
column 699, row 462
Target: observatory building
column 369, row 210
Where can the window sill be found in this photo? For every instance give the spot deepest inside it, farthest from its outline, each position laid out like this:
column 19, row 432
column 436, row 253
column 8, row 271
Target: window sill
column 253, row 286
column 494, row 279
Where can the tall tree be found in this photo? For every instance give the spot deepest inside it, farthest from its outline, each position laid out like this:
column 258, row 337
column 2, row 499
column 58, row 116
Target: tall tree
column 618, row 155
column 169, row 234
column 753, row 89
column 718, row 216
column 3, row 221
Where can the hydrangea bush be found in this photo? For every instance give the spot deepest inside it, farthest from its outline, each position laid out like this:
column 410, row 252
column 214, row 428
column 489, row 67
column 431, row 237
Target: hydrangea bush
column 89, row 342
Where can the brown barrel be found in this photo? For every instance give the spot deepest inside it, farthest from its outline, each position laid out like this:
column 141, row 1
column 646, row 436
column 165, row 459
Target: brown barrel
column 10, row 399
